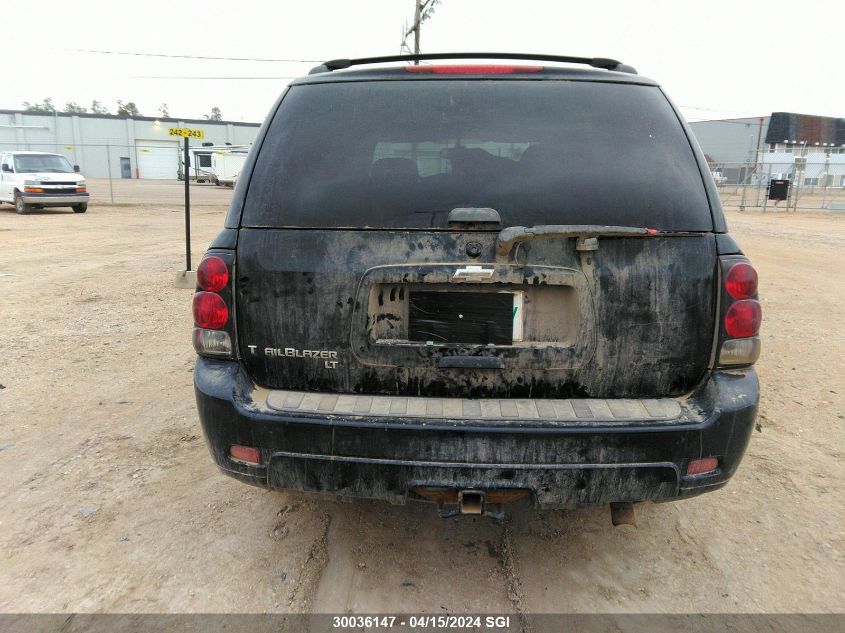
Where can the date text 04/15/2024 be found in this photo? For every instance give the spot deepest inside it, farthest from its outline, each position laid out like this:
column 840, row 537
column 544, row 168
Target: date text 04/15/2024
column 478, row 622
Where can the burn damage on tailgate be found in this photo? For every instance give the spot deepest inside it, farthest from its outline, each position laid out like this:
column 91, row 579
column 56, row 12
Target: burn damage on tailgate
column 652, row 291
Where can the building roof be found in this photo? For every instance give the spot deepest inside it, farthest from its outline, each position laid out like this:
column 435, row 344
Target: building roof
column 22, row 152
column 805, row 128
column 91, row 115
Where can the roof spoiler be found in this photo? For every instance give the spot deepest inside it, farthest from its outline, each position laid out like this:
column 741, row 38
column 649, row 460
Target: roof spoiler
column 595, row 62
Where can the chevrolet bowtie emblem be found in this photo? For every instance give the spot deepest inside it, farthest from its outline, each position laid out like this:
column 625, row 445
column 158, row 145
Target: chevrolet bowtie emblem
column 473, row 273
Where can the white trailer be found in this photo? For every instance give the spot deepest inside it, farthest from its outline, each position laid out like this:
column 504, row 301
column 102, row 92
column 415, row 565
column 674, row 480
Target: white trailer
column 202, row 168
column 227, row 164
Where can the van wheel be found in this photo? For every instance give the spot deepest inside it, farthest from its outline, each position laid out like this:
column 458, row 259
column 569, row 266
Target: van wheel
column 80, row 208
column 20, row 206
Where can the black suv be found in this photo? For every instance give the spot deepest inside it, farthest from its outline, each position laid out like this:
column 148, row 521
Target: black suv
column 473, row 283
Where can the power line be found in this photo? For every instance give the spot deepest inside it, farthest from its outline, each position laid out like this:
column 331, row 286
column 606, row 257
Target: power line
column 751, row 122
column 207, row 77
column 689, row 107
column 229, row 59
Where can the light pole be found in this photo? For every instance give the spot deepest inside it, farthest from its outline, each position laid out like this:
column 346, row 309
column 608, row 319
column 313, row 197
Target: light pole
column 746, row 175
column 800, row 165
column 826, row 175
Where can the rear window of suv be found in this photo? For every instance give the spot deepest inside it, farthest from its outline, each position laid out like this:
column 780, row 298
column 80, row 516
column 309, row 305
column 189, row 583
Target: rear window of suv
column 402, row 154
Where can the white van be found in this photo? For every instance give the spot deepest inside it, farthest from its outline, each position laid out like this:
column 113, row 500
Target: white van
column 34, row 180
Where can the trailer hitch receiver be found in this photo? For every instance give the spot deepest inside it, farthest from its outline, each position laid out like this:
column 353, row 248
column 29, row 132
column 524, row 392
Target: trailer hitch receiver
column 471, row 501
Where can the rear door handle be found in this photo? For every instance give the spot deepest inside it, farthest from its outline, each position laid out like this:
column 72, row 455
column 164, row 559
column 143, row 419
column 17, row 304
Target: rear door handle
column 473, row 273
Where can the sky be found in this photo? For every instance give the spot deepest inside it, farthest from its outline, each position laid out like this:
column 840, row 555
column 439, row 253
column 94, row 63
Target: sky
column 715, row 59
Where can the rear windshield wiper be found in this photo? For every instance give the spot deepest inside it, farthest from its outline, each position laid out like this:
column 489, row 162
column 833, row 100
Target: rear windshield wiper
column 513, row 235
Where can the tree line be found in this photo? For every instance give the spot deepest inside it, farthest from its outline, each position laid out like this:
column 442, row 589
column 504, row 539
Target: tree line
column 127, row 108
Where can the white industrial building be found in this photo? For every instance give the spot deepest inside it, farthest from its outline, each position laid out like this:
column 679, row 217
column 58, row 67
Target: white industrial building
column 753, row 150
column 824, row 166
column 116, row 146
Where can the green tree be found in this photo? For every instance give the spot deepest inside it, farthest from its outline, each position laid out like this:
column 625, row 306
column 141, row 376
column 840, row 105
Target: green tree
column 127, row 109
column 44, row 106
column 98, row 108
column 215, row 115
column 74, row 107
column 164, row 111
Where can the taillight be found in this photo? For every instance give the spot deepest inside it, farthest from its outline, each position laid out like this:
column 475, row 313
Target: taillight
column 741, row 281
column 740, row 351
column 212, row 342
column 741, row 314
column 472, row 69
column 210, row 311
column 214, row 322
column 212, row 274
column 743, row 319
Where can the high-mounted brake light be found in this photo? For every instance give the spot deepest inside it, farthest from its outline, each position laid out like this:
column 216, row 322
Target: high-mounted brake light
column 472, row 69
column 212, row 274
column 741, row 281
column 210, row 311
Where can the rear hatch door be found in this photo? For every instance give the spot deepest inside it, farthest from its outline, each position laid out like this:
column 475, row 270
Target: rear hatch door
column 374, row 258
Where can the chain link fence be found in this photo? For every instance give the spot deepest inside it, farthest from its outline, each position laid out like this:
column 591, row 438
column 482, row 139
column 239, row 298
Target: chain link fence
column 746, row 186
column 121, row 174
column 138, row 174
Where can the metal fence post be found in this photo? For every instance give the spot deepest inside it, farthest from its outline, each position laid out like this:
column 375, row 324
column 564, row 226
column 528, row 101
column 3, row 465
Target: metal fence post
column 187, row 175
column 768, row 188
column 108, row 166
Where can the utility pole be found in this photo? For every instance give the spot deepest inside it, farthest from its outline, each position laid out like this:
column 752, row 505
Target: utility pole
column 422, row 11
column 417, row 13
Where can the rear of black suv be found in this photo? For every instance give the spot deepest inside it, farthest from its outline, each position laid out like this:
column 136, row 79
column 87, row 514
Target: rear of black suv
column 471, row 284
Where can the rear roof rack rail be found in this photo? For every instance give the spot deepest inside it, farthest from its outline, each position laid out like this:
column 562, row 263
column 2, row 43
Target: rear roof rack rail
column 595, row 62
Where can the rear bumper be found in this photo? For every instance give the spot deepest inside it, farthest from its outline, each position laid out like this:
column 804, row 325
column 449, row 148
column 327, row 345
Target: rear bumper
column 562, row 465
column 55, row 200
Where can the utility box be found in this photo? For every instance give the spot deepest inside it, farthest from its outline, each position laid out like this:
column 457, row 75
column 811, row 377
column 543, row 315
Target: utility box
column 778, row 189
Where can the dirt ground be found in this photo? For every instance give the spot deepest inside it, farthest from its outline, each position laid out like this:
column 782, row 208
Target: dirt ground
column 110, row 501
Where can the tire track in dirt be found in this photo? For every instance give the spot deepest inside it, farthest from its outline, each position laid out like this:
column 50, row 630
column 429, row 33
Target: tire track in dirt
column 303, row 592
column 507, row 559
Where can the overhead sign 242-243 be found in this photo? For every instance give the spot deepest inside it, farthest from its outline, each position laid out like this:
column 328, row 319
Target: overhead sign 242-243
column 186, row 132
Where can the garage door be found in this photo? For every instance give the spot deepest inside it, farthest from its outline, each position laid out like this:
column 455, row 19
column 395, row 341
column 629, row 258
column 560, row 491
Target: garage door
column 158, row 161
